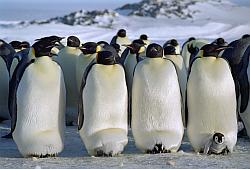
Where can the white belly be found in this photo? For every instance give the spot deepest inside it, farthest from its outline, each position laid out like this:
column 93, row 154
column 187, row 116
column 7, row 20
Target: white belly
column 40, row 111
column 105, row 104
column 211, row 103
column 156, row 105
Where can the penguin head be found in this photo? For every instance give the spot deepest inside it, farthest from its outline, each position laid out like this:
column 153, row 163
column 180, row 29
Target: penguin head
column 73, row 41
column 212, row 50
column 52, row 38
column 144, row 37
column 16, row 44
column 6, row 49
column 136, row 47
column 190, row 39
column 89, row 48
column 154, row 51
column 245, row 36
column 121, row 33
column 218, row 138
column 169, row 50
column 105, row 58
column 220, row 42
column 102, row 43
column 172, row 42
column 25, row 45
column 43, row 47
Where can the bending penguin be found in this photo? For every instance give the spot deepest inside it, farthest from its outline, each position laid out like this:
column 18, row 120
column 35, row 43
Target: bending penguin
column 121, row 39
column 103, row 107
column 211, row 102
column 156, row 104
column 173, row 55
column 38, row 108
column 67, row 58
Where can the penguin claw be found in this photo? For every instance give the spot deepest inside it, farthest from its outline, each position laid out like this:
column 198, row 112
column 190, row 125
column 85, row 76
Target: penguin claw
column 158, row 148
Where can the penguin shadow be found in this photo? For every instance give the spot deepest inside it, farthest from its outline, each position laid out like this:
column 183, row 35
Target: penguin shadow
column 8, row 148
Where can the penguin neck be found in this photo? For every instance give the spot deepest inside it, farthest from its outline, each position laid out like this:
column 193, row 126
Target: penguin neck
column 43, row 60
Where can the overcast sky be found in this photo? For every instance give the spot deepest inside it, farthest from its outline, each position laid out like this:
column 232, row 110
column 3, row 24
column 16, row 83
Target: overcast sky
column 43, row 9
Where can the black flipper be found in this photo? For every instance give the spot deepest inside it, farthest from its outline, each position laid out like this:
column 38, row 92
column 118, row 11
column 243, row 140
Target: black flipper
column 243, row 81
column 80, row 100
column 13, row 85
column 113, row 40
column 124, row 56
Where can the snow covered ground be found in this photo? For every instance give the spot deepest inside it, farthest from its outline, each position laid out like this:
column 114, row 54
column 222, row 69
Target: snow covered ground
column 75, row 155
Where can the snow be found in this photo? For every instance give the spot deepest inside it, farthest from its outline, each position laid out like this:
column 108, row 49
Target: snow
column 75, row 155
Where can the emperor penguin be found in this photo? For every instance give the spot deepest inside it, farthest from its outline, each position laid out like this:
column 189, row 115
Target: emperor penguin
column 121, row 39
column 157, row 124
column 220, row 42
column 130, row 58
column 171, row 53
column 145, row 39
column 89, row 51
column 67, row 58
column 211, row 102
column 103, row 107
column 17, row 46
column 191, row 49
column 175, row 44
column 234, row 55
column 6, row 55
column 38, row 105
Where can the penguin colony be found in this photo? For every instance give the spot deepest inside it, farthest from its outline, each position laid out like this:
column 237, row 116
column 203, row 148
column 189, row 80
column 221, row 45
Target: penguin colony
column 105, row 88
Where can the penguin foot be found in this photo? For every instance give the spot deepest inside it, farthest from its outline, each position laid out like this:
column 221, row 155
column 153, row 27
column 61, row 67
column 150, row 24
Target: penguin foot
column 44, row 155
column 8, row 136
column 158, row 148
column 100, row 153
column 225, row 151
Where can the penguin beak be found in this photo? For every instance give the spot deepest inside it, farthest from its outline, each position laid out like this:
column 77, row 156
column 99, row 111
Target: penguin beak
column 223, row 48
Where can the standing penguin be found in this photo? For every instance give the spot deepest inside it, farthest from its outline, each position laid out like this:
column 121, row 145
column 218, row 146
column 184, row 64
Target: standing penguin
column 38, row 108
column 67, row 58
column 173, row 55
column 211, row 101
column 89, row 51
column 103, row 107
column 156, row 104
column 191, row 49
column 121, row 39
column 6, row 55
column 145, row 39
column 175, row 44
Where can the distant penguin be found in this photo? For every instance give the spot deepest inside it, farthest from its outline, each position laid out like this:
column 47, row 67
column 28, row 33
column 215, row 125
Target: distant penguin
column 67, row 58
column 103, row 107
column 17, row 46
column 121, row 39
column 211, row 103
column 173, row 55
column 145, row 39
column 132, row 57
column 156, row 104
column 6, row 55
column 191, row 49
column 89, row 51
column 38, row 108
column 175, row 44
